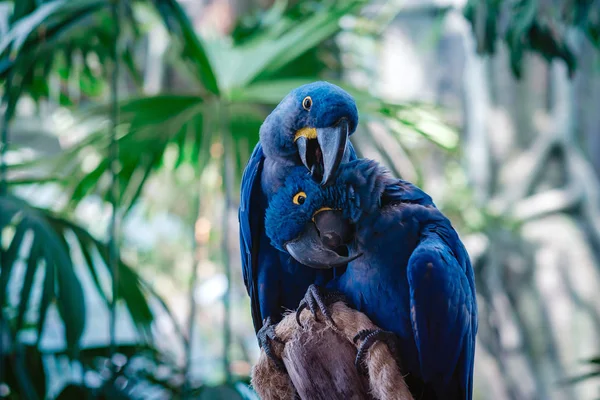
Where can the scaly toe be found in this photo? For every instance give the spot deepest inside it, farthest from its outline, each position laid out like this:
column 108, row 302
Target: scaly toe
column 361, row 335
column 301, row 307
column 266, row 335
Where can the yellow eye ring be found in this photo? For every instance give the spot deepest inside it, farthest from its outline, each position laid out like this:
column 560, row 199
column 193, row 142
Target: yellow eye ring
column 307, row 103
column 299, row 198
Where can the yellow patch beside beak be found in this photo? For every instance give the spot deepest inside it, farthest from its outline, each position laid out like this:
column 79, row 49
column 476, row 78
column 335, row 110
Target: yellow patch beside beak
column 309, row 133
column 319, row 210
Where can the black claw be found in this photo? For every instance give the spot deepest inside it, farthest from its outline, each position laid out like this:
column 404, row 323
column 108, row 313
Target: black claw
column 266, row 335
column 313, row 305
column 369, row 337
column 362, row 335
column 359, row 362
column 317, row 298
column 301, row 308
column 307, row 302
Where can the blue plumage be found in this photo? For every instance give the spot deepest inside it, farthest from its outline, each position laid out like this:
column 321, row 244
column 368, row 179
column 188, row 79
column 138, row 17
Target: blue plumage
column 413, row 279
column 310, row 126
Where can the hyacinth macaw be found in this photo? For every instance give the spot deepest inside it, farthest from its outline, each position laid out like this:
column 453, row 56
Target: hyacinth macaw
column 407, row 270
column 309, row 128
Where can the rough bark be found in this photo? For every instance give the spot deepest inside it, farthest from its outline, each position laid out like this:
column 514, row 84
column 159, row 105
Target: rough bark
column 322, row 367
column 320, row 360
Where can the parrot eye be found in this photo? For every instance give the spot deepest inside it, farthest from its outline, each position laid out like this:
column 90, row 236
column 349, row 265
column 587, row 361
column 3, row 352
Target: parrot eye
column 299, row 198
column 307, row 103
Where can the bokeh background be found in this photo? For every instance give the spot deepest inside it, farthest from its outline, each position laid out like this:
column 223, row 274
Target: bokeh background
column 126, row 126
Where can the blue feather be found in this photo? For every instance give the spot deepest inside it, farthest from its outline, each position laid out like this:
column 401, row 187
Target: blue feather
column 250, row 221
column 414, row 278
column 273, row 279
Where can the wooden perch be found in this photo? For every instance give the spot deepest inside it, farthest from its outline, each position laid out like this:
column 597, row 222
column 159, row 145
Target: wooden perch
column 319, row 359
column 323, row 353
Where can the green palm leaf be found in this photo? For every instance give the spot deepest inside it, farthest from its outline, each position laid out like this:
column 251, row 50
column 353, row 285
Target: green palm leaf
column 54, row 241
column 194, row 48
column 272, row 49
column 46, row 35
column 148, row 126
column 49, row 250
column 189, row 125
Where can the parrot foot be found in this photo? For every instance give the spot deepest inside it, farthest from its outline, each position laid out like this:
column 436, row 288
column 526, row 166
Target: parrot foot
column 369, row 337
column 266, row 335
column 318, row 298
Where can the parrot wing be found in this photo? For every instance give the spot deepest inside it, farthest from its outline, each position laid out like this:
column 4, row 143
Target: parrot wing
column 443, row 309
column 251, row 220
column 398, row 190
column 270, row 288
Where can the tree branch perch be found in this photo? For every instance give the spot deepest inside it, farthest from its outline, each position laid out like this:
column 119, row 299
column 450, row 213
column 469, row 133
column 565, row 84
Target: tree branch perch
column 319, row 358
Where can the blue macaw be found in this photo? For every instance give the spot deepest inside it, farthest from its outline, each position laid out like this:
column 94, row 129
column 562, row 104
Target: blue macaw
column 309, row 128
column 407, row 270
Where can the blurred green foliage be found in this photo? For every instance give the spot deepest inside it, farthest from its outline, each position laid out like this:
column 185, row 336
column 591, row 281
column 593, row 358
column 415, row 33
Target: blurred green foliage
column 544, row 27
column 594, row 364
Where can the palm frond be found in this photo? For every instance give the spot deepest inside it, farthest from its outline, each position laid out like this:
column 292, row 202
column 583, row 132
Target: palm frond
column 194, row 50
column 148, row 127
column 271, row 49
column 47, row 244
column 583, row 377
column 46, row 37
column 50, row 251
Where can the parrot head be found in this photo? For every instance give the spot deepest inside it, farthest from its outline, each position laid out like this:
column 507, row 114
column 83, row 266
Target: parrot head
column 312, row 125
column 307, row 221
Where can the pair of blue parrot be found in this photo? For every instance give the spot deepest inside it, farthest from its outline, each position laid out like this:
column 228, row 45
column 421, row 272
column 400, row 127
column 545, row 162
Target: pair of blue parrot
column 317, row 223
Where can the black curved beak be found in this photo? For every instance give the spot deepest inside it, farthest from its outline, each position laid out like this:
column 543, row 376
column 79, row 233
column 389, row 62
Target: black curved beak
column 314, row 247
column 333, row 146
column 302, row 144
column 323, row 154
column 335, row 231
